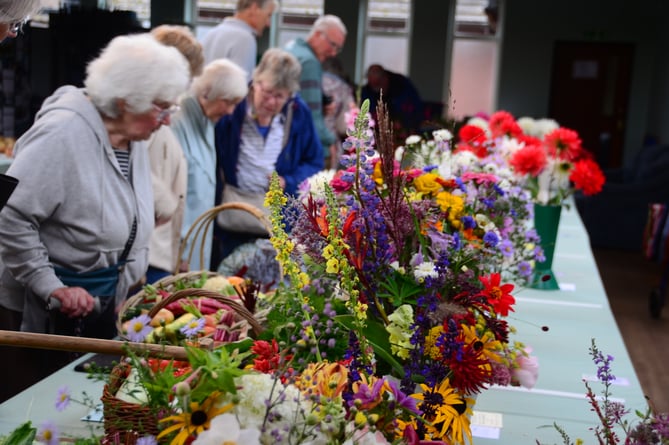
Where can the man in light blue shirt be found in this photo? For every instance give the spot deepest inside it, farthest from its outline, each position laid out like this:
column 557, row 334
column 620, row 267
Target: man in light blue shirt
column 235, row 38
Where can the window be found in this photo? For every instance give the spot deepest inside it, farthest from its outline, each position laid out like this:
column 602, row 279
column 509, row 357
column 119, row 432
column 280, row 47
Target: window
column 141, row 7
column 473, row 79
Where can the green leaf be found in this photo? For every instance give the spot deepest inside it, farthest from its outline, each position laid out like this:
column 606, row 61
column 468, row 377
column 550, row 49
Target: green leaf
column 23, row 435
column 377, row 336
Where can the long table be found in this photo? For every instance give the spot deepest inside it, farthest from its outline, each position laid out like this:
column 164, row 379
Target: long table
column 575, row 314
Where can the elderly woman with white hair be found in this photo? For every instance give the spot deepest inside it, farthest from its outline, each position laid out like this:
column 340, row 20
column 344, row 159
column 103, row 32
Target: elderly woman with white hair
column 213, row 95
column 14, row 14
column 74, row 235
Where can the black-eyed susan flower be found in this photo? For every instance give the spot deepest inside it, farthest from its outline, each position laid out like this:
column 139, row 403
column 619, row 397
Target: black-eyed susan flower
column 193, row 421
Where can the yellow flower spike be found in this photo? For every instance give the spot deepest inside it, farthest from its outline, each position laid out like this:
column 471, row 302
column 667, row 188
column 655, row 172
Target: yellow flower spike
column 332, row 266
column 328, row 251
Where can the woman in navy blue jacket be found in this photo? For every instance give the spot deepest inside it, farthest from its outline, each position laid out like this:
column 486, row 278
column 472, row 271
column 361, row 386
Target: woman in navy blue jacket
column 271, row 131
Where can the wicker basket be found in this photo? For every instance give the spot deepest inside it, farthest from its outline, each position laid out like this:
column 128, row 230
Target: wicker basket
column 242, row 314
column 198, row 231
column 168, row 283
column 122, row 419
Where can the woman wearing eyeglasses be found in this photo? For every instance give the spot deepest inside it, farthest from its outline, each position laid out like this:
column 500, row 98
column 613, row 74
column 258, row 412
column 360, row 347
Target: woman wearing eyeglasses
column 213, row 95
column 14, row 14
column 271, row 131
column 84, row 203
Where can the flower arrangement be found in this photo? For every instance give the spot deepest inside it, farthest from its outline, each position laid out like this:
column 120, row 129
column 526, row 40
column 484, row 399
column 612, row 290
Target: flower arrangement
column 396, row 270
column 614, row 427
column 548, row 158
column 390, row 320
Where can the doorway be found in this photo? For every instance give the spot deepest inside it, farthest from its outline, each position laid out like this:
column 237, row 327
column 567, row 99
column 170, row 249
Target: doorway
column 589, row 94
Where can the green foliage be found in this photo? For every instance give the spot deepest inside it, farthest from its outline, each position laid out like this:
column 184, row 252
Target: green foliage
column 23, row 435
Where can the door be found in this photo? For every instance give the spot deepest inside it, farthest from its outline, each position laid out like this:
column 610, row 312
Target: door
column 589, row 94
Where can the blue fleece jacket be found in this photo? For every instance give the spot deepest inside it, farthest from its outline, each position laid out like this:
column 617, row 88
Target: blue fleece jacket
column 301, row 157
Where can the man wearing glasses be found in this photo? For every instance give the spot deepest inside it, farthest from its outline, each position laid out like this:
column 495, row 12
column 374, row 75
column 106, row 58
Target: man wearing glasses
column 325, row 39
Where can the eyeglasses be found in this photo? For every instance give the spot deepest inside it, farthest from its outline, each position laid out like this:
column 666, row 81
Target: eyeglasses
column 270, row 94
column 16, row 27
column 164, row 112
column 335, row 46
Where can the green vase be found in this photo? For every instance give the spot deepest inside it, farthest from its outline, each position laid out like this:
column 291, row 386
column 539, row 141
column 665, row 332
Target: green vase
column 546, row 222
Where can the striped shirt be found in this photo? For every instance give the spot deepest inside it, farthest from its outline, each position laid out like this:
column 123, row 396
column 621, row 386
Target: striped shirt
column 123, row 159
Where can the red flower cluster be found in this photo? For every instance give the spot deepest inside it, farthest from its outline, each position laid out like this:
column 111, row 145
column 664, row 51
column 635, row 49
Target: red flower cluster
column 587, row 176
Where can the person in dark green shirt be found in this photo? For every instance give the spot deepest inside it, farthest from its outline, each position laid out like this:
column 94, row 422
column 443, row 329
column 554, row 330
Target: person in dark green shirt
column 325, row 39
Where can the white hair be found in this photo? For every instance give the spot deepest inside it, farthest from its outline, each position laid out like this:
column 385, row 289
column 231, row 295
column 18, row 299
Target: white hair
column 138, row 70
column 16, row 10
column 325, row 23
column 221, row 79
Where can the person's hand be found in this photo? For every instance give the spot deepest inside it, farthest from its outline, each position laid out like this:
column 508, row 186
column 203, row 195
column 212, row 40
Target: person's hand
column 159, row 221
column 74, row 301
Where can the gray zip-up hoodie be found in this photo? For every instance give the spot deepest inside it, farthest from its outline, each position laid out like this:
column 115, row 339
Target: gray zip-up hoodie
column 73, row 207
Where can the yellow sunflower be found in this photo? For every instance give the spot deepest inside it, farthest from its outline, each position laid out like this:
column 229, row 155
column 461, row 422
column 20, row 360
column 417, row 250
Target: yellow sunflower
column 195, row 420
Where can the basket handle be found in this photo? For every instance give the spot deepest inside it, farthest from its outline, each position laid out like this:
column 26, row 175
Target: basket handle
column 200, row 227
column 196, row 292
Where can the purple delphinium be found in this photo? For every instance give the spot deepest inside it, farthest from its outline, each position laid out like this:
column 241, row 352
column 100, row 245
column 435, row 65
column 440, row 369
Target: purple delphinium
column 138, row 328
column 63, row 399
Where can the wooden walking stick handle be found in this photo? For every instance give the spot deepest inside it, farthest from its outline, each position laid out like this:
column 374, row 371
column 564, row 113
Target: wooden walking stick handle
column 84, row 344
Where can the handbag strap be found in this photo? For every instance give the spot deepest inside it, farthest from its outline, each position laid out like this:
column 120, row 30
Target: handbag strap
column 287, row 123
column 129, row 243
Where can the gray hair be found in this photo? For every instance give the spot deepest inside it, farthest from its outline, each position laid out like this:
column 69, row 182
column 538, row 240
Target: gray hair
column 326, row 22
column 16, row 10
column 280, row 69
column 246, row 4
column 138, row 70
column 221, row 79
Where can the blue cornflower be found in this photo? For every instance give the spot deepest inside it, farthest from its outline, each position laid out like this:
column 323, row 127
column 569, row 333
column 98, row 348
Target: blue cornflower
column 468, row 222
column 491, row 239
column 499, row 190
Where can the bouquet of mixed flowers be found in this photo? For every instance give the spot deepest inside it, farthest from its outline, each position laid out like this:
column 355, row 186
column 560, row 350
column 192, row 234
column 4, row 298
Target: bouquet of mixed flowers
column 396, row 274
column 548, row 158
column 391, row 318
